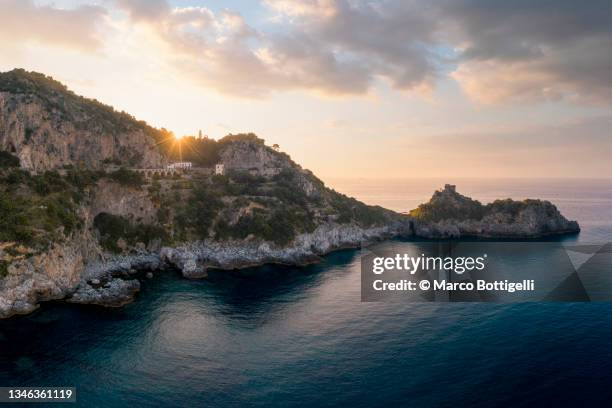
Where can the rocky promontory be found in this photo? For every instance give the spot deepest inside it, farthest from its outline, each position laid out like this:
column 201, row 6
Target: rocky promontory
column 451, row 215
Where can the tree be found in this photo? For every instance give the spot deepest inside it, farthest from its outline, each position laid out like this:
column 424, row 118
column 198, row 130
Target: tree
column 8, row 160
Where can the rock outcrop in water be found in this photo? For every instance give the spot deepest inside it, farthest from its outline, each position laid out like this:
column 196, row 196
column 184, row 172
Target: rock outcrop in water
column 78, row 233
column 451, row 215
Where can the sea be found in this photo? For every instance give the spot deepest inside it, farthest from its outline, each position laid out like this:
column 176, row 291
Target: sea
column 301, row 337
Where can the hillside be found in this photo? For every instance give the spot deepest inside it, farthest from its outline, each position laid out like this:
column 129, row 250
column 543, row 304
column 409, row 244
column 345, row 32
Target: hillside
column 452, row 215
column 49, row 127
column 77, row 211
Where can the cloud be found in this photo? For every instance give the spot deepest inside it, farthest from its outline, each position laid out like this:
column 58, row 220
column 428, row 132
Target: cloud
column 497, row 51
column 22, row 21
column 531, row 51
column 504, row 51
column 326, row 46
column 145, row 9
column 393, row 40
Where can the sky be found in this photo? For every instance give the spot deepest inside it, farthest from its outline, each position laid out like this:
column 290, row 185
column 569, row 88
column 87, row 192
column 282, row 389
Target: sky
column 349, row 88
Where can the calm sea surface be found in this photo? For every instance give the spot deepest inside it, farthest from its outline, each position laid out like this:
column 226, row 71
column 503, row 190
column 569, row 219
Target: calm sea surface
column 276, row 336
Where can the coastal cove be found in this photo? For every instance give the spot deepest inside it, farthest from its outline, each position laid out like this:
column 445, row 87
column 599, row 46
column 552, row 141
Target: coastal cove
column 305, row 204
column 279, row 334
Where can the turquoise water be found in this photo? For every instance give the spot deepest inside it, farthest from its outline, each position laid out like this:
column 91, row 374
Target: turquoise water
column 300, row 336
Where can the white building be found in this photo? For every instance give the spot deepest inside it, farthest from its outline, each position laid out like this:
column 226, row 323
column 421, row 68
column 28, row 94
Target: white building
column 180, row 165
column 220, row 169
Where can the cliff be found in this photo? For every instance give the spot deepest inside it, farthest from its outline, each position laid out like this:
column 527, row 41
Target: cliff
column 451, row 215
column 48, row 127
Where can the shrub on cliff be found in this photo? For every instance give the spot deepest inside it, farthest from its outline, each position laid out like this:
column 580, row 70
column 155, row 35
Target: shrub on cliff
column 449, row 205
column 3, row 269
column 16, row 177
column 82, row 178
column 348, row 209
column 198, row 212
column 33, row 221
column 86, row 113
column 35, row 209
column 49, row 182
column 127, row 177
column 14, row 223
column 114, row 227
column 279, row 225
column 7, row 160
column 241, row 137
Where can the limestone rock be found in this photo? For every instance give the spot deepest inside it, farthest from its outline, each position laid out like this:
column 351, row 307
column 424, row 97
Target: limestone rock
column 116, row 293
column 59, row 128
column 47, row 276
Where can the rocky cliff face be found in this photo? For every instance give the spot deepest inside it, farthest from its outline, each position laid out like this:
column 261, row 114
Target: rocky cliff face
column 195, row 258
column 252, row 156
column 48, row 276
column 48, row 127
column 64, row 270
column 132, row 203
column 249, row 154
column 451, row 215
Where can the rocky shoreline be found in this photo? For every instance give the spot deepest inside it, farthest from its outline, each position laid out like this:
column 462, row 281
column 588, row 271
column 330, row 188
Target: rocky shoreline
column 78, row 272
column 113, row 280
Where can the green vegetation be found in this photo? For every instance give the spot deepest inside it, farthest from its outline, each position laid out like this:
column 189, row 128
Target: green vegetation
column 437, row 210
column 3, row 269
column 263, row 212
column 81, row 180
column 113, row 228
column 285, row 188
column 241, row 137
column 34, row 210
column 7, row 160
column 14, row 224
column 197, row 213
column 240, row 205
column 463, row 208
column 279, row 225
column 127, row 178
column 349, row 210
column 90, row 114
column 37, row 210
column 202, row 151
column 59, row 98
